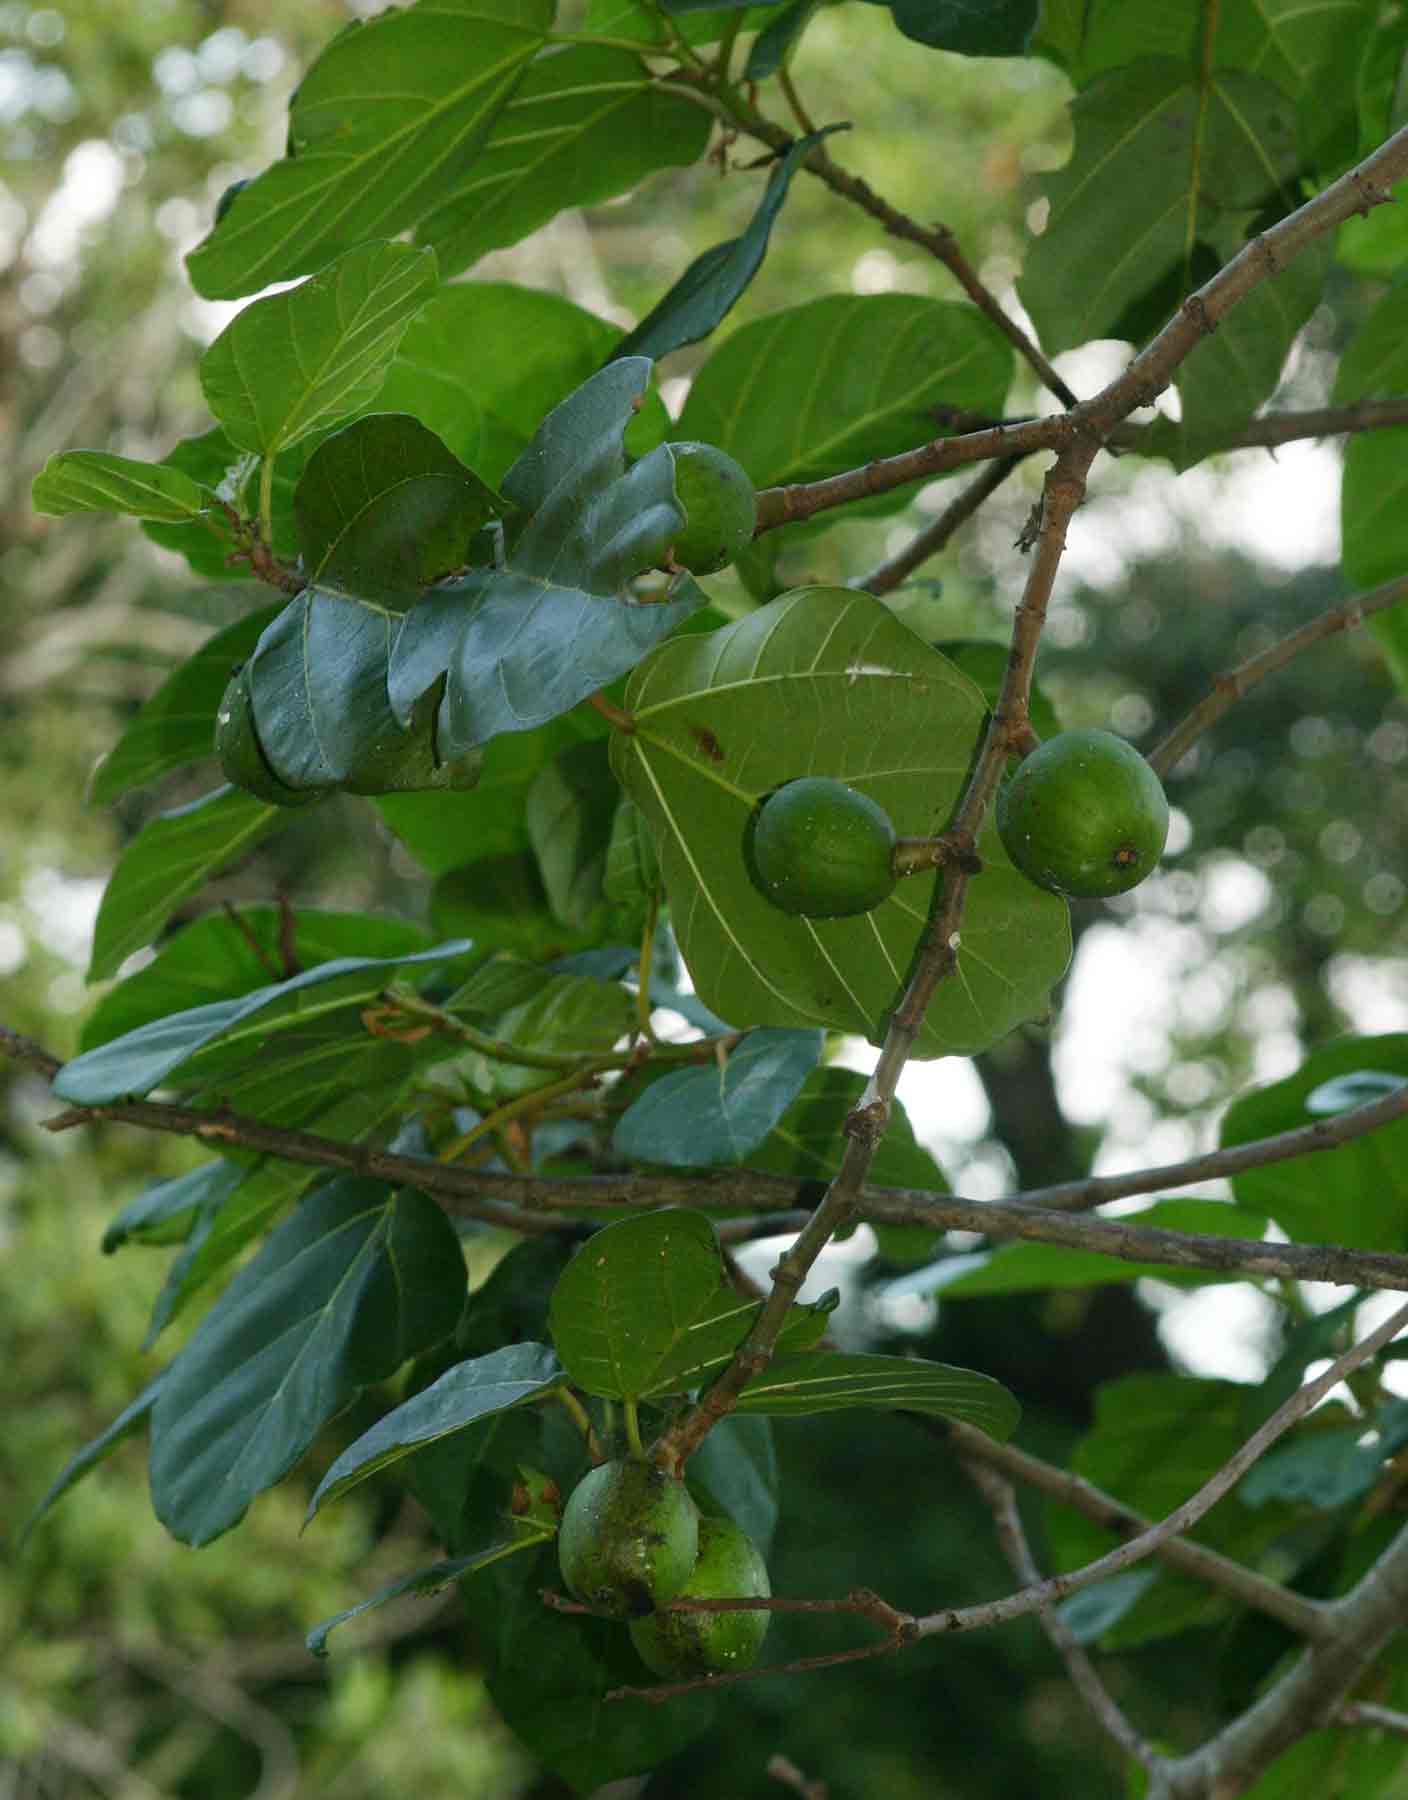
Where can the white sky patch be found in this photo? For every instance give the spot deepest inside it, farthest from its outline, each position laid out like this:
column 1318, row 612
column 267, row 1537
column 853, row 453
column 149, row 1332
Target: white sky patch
column 1223, row 1332
column 92, row 181
column 64, row 911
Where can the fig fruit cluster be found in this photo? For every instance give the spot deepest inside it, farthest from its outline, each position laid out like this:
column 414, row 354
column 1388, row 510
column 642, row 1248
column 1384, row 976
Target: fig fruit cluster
column 632, row 1539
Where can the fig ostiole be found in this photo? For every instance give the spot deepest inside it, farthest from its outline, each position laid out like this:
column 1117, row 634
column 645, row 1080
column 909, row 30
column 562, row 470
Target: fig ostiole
column 1084, row 816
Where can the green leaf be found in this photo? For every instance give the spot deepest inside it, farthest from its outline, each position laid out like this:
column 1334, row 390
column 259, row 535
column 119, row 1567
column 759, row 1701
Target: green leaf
column 1355, row 1195
column 385, row 124
column 1374, row 504
column 244, row 1027
column 772, row 46
column 715, row 281
column 384, row 509
column 357, row 1281
column 1324, row 1465
column 421, row 1581
column 211, row 545
column 826, row 1381
column 92, row 481
column 483, row 363
column 299, row 361
column 736, row 1469
column 516, row 1375
column 808, row 1141
column 98, row 1450
column 225, row 954
column 523, row 644
column 569, row 811
column 1171, row 162
column 165, row 1212
column 585, row 123
column 632, row 876
column 168, row 860
column 825, row 681
column 500, row 900
column 716, row 1115
column 1032, row 1268
column 968, row 27
column 177, row 725
column 568, row 1014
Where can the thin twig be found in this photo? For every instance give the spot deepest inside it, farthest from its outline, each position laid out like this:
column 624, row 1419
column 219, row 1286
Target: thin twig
column 1379, row 1718
column 935, row 537
column 1229, row 687
column 1012, row 1538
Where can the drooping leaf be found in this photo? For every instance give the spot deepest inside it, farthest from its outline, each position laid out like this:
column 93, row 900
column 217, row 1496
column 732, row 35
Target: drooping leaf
column 825, row 681
column 968, row 27
column 519, row 646
column 304, row 359
column 516, row 1375
column 354, row 1283
column 164, row 1212
column 716, row 280
column 720, row 1113
column 167, row 1049
column 421, row 1581
column 585, row 123
column 94, row 481
column 177, row 725
column 382, row 127
column 1356, row 1194
column 384, row 509
column 1171, row 162
column 128, row 1421
column 168, row 860
column 819, row 1381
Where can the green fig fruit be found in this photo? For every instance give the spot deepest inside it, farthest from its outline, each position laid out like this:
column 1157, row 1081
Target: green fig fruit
column 1084, row 815
column 721, row 508
column 679, row 1645
column 821, row 849
column 241, row 754
column 628, row 1539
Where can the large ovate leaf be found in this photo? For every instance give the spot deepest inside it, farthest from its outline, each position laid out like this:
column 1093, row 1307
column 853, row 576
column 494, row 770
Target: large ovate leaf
column 244, row 1028
column 968, row 27
column 825, row 681
column 1357, row 1194
column 177, row 725
column 383, row 126
column 384, row 509
column 817, row 1381
column 585, row 123
column 719, row 1114
column 93, row 481
column 520, row 645
column 167, row 861
column 357, row 1281
column 517, row 1375
column 714, row 282
column 299, row 361
column 1159, row 162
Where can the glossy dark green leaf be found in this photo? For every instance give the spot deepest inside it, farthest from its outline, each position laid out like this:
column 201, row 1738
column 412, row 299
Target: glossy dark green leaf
column 167, row 861
column 1172, row 162
column 93, row 481
column 421, row 1581
column 382, row 127
column 164, row 1212
column 825, row 681
column 127, row 1422
column 222, row 955
column 1357, row 1194
column 301, row 360
column 721, row 1112
column 516, row 1375
column 586, row 122
column 242, row 1027
column 968, row 27
column 177, row 725
column 715, row 281
column 523, row 644
column 820, row 1381
column 355, row 1282
column 384, row 509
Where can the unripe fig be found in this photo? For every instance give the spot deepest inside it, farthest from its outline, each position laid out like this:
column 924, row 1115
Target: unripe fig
column 683, row 1644
column 1084, row 815
column 721, row 508
column 628, row 1539
column 822, row 850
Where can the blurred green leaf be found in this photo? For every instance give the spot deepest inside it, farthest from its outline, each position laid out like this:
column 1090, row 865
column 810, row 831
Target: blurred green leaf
column 720, row 1113
column 828, row 1381
column 422, row 1581
column 967, row 27
column 93, row 481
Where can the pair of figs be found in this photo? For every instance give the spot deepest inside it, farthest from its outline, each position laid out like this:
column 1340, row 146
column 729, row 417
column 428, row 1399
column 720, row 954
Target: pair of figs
column 1084, row 816
column 633, row 1538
